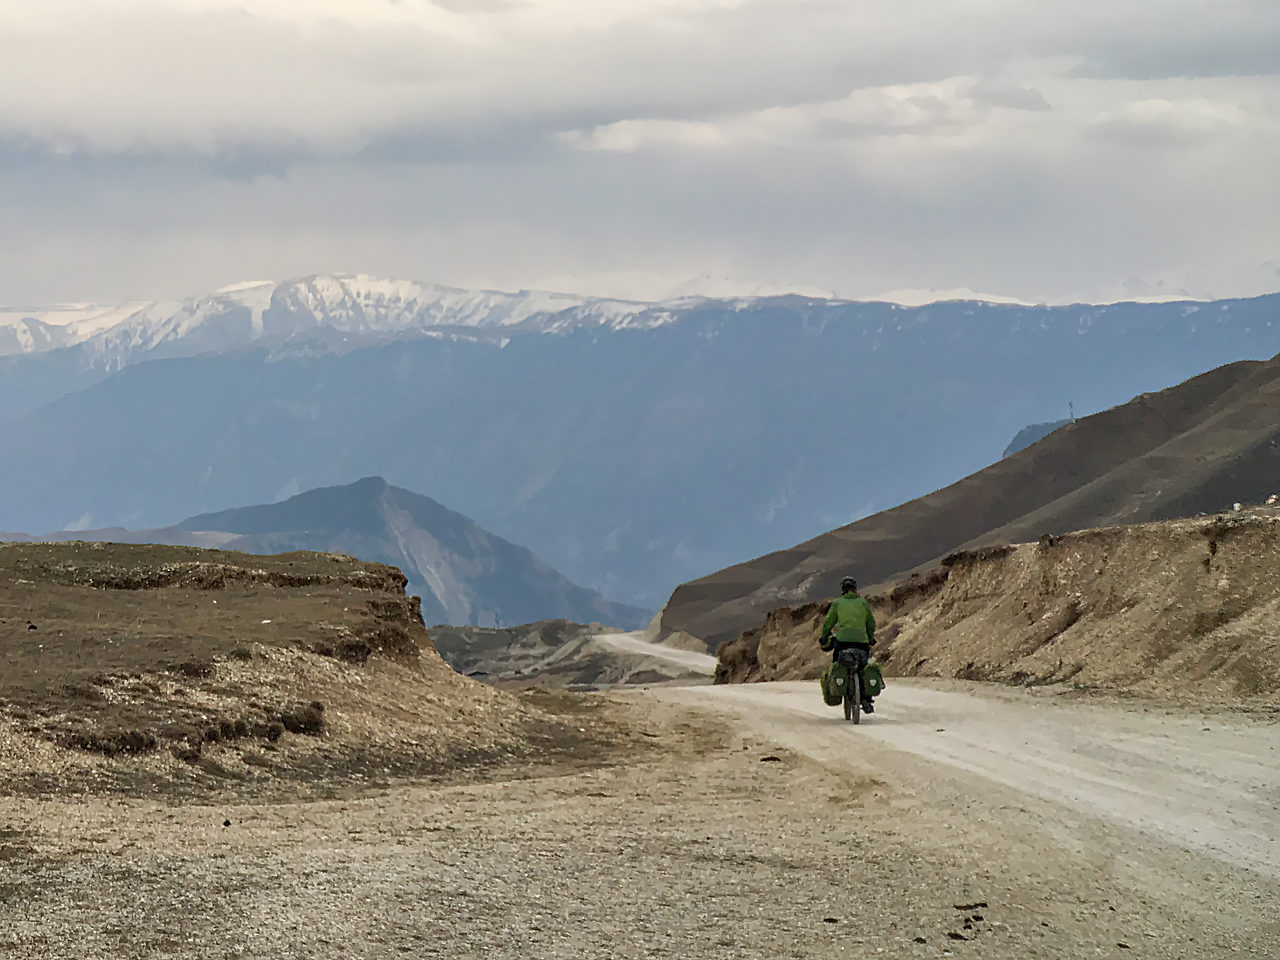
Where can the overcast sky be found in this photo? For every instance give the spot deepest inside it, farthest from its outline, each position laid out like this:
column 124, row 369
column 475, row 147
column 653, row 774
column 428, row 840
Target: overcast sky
column 1042, row 149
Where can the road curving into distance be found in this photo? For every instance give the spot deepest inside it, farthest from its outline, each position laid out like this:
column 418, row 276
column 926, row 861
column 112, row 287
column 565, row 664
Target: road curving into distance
column 634, row 643
column 1208, row 784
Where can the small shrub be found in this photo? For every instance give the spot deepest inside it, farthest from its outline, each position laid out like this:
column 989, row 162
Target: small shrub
column 186, row 753
column 194, row 669
column 308, row 719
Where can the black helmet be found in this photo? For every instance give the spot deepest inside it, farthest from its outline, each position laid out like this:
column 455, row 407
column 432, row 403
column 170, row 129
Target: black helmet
column 848, row 584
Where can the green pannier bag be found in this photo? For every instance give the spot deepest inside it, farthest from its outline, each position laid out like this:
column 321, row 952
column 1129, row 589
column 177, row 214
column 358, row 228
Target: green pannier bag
column 833, row 680
column 872, row 678
column 836, row 675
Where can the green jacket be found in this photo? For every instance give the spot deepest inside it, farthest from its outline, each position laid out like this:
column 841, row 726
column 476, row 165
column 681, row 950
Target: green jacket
column 850, row 617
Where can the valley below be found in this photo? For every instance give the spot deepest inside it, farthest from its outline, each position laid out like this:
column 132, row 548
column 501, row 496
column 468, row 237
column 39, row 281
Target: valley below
column 557, row 654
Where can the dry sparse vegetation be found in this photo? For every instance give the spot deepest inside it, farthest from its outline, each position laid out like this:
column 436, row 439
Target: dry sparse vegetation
column 142, row 668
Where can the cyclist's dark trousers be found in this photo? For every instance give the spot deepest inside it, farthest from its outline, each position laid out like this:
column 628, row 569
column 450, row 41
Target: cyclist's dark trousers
column 864, row 647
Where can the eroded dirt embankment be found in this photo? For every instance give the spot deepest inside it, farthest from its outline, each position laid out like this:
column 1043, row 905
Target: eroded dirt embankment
column 1189, row 605
column 143, row 668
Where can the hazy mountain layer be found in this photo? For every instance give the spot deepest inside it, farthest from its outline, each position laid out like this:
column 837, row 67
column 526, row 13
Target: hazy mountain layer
column 631, row 454
column 464, row 574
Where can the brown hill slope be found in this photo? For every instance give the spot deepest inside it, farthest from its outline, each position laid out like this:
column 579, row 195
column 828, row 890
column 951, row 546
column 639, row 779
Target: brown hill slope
column 142, row 668
column 1196, row 447
column 1188, row 604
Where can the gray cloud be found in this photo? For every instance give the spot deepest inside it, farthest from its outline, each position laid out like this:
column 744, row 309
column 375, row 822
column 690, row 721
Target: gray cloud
column 1184, row 39
column 1037, row 150
column 1000, row 92
column 219, row 79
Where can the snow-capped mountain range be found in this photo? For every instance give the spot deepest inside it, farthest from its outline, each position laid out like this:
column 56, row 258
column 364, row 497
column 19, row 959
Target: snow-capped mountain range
column 114, row 336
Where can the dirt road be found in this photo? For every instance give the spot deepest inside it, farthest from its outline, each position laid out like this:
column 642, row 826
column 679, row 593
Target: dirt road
column 634, row 643
column 1210, row 785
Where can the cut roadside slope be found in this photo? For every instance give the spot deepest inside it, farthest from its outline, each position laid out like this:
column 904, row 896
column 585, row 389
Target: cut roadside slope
column 1188, row 609
column 1195, row 447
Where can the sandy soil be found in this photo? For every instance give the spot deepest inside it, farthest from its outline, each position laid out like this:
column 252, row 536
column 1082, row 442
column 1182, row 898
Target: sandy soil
column 1210, row 785
column 735, row 822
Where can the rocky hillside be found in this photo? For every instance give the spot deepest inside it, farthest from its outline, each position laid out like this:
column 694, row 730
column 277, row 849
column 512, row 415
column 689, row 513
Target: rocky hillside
column 632, row 447
column 1188, row 606
column 464, row 574
column 141, row 668
column 1194, row 448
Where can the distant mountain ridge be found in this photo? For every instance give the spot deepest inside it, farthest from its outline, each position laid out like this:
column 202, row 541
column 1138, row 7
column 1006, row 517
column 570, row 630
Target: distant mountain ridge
column 74, row 345
column 1032, row 433
column 465, row 575
column 46, row 353
column 114, row 335
column 236, row 316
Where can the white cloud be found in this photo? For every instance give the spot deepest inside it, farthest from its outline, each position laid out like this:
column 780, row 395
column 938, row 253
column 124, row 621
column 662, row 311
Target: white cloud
column 946, row 108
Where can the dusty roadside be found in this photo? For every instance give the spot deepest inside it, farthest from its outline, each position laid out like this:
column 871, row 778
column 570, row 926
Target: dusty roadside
column 1207, row 783
column 715, row 839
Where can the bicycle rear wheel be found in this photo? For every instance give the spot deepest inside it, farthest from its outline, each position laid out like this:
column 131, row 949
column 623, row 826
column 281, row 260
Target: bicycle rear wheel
column 853, row 698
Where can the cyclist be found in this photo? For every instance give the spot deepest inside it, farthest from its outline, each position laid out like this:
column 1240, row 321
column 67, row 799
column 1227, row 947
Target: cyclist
column 849, row 623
